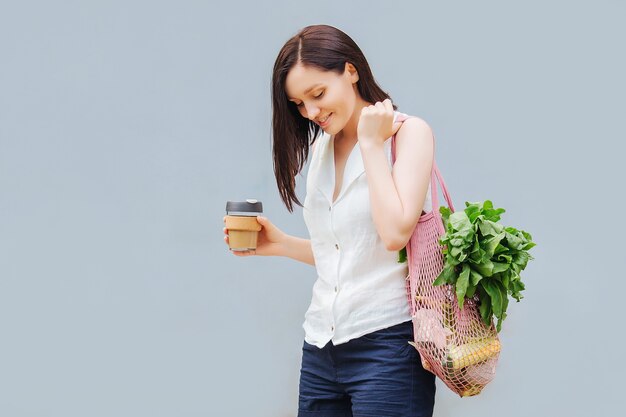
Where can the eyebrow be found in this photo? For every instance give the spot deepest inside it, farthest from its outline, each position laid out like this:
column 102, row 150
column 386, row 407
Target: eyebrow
column 308, row 90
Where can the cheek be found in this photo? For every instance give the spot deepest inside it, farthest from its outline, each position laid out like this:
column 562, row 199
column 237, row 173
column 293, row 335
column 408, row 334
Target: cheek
column 343, row 97
column 334, row 102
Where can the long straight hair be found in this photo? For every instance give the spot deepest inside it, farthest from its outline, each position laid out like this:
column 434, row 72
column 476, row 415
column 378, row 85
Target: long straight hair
column 325, row 48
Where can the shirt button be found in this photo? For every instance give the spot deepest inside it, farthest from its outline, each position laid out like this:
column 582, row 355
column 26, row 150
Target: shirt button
column 336, row 289
column 337, row 246
column 330, row 208
column 332, row 328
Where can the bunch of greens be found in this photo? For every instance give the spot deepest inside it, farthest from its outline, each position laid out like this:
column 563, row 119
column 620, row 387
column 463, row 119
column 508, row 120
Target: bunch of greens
column 483, row 258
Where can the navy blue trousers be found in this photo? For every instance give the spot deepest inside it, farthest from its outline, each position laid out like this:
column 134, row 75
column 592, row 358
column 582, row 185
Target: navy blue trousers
column 376, row 375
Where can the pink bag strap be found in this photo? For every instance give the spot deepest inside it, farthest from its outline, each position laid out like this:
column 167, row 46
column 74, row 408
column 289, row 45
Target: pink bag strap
column 433, row 174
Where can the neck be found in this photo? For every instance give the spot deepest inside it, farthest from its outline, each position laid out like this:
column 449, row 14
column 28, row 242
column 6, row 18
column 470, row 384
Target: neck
column 349, row 132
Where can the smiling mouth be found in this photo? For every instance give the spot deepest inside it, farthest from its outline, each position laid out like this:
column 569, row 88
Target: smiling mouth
column 324, row 120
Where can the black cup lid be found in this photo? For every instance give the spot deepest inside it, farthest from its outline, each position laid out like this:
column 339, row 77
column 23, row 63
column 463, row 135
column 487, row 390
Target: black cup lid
column 248, row 206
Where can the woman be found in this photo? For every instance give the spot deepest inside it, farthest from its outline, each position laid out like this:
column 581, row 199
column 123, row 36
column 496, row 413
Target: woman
column 360, row 211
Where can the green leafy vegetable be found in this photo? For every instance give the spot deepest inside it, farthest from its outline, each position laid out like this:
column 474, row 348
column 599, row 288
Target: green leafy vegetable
column 402, row 255
column 483, row 258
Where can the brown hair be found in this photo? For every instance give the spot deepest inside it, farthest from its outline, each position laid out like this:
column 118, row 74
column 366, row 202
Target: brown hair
column 326, row 48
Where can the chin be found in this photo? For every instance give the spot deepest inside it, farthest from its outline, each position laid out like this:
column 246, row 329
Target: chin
column 332, row 130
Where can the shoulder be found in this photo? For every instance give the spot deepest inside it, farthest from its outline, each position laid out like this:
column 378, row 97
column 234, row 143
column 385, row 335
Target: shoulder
column 415, row 140
column 414, row 126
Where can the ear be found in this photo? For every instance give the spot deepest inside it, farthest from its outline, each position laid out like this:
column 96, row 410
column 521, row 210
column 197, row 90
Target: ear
column 352, row 72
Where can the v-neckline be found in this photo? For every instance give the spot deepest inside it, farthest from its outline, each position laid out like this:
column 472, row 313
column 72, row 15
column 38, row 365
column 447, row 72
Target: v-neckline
column 334, row 165
column 351, row 171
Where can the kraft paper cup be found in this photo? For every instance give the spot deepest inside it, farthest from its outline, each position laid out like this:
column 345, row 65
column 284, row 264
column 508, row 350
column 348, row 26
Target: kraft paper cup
column 243, row 228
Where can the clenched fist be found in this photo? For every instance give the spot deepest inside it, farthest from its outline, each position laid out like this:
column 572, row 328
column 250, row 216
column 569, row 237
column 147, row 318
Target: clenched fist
column 376, row 123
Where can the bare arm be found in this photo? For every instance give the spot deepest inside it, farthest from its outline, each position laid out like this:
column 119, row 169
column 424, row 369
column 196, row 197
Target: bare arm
column 298, row 249
column 397, row 197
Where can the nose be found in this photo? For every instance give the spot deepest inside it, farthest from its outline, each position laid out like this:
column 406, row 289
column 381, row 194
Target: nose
column 312, row 111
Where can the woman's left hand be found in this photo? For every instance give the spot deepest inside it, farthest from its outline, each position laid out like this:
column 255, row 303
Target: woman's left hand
column 376, row 123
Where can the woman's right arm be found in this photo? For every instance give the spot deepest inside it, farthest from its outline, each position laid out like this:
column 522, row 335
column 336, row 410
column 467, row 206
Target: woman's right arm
column 274, row 242
column 298, row 249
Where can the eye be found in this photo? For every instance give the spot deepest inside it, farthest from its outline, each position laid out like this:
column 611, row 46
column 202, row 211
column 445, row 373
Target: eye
column 317, row 96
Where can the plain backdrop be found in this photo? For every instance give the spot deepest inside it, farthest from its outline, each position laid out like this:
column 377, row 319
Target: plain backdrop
column 125, row 126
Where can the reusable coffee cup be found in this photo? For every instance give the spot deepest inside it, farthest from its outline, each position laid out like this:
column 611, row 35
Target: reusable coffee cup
column 243, row 228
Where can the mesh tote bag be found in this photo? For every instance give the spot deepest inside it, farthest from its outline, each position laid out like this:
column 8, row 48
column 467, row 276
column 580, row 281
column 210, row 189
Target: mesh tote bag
column 454, row 344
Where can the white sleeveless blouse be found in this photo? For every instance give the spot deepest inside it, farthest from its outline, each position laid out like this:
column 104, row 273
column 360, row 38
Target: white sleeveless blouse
column 360, row 286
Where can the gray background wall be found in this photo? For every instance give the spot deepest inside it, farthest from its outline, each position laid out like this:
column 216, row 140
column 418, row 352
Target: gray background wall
column 126, row 125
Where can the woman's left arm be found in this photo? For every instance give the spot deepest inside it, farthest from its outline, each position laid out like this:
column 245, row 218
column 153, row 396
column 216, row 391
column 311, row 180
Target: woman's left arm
column 397, row 197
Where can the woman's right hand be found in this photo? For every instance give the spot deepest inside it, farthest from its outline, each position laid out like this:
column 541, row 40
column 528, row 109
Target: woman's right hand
column 269, row 243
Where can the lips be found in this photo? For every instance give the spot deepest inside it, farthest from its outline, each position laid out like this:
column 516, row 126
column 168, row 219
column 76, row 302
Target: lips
column 323, row 122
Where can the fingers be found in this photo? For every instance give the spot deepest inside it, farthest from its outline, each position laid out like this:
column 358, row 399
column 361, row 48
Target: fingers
column 251, row 252
column 238, row 252
column 265, row 223
column 388, row 105
column 385, row 106
column 244, row 253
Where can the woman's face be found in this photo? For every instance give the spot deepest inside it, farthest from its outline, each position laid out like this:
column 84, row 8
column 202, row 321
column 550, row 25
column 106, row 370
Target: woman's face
column 324, row 97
